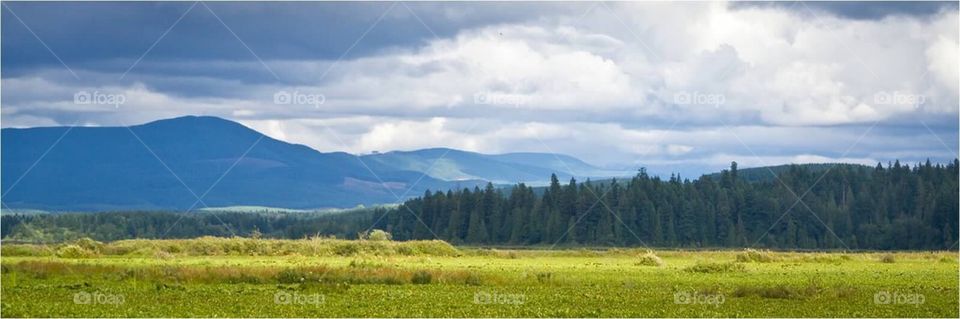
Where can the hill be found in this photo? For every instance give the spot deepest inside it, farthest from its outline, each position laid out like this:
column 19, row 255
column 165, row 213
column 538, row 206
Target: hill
column 168, row 164
column 450, row 164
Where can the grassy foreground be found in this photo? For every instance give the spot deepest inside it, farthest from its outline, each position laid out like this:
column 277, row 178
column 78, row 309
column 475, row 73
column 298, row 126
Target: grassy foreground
column 215, row 277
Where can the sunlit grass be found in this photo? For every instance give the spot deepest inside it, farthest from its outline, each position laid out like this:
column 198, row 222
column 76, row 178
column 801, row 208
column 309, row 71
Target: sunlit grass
column 158, row 278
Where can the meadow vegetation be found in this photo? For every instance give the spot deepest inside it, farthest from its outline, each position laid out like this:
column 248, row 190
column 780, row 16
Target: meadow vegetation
column 243, row 277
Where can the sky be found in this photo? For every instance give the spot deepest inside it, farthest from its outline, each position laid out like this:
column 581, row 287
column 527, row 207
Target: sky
column 685, row 87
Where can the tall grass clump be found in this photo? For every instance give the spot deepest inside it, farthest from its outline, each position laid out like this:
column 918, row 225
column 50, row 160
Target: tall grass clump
column 759, row 256
column 74, row 251
column 649, row 259
column 88, row 244
column 888, row 259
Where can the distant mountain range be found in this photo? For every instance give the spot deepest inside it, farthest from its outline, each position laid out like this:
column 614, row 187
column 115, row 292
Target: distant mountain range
column 169, row 164
column 453, row 165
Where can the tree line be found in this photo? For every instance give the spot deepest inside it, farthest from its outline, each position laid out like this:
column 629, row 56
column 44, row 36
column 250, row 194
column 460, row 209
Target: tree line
column 796, row 206
column 839, row 207
column 110, row 226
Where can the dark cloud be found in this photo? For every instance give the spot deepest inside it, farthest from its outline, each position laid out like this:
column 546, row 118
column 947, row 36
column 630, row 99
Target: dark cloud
column 87, row 34
column 860, row 10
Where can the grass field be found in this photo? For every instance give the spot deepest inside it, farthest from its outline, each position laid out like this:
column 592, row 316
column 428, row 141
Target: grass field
column 237, row 277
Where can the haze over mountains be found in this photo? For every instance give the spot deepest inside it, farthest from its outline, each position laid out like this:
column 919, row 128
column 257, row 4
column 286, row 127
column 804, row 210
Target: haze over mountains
column 172, row 164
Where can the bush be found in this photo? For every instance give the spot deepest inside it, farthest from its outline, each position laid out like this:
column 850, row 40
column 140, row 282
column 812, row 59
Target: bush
column 701, row 267
column 888, row 259
column 74, row 251
column 378, row 235
column 760, row 256
column 649, row 259
column 421, row 278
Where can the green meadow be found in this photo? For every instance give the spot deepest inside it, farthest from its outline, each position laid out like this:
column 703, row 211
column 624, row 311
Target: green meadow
column 243, row 277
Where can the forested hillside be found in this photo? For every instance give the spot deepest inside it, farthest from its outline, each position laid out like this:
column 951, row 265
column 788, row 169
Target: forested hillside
column 894, row 207
column 843, row 207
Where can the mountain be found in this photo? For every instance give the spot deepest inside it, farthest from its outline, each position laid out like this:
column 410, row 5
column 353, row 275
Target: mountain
column 450, row 164
column 147, row 167
column 168, row 164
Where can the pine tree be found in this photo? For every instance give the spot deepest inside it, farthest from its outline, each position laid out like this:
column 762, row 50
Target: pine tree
column 477, row 231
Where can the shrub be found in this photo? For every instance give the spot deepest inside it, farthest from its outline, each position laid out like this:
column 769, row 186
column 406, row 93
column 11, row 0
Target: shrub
column 702, row 267
column 760, row 256
column 888, row 259
column 74, row 251
column 649, row 259
column 421, row 278
column 378, row 235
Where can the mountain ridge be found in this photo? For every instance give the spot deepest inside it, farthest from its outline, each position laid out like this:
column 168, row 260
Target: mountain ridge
column 169, row 163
